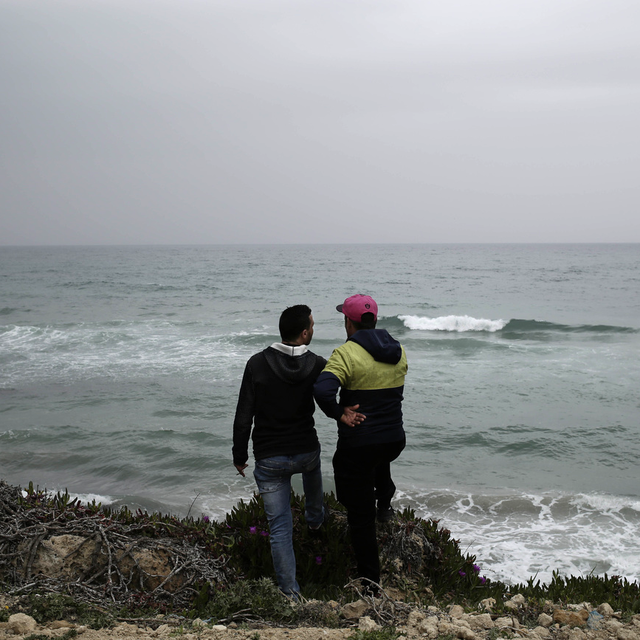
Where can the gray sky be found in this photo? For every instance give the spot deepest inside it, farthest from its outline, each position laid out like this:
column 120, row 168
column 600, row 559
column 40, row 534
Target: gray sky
column 218, row 121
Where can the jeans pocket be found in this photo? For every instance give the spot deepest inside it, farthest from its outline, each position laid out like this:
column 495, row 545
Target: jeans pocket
column 310, row 461
column 270, row 478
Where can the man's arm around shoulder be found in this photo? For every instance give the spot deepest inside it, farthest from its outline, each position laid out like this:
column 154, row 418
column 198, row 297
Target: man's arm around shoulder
column 325, row 391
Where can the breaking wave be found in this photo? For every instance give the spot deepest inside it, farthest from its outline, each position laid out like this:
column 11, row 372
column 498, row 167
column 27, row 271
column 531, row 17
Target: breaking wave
column 517, row 326
column 452, row 323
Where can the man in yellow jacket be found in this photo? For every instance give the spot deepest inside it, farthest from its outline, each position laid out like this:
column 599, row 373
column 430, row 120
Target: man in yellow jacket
column 369, row 370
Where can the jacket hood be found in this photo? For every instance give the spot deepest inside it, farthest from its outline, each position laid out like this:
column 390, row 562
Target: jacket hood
column 290, row 368
column 380, row 344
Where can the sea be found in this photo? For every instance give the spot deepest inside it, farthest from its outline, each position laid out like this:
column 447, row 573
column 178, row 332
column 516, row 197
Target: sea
column 120, row 368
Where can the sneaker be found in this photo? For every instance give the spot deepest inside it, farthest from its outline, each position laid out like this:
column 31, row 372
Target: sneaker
column 386, row 515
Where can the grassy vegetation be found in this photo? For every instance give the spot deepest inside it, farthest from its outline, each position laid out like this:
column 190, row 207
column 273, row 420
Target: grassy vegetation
column 420, row 558
column 46, row 607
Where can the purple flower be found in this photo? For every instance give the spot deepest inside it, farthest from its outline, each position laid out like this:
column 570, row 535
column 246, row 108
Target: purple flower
column 462, row 573
column 253, row 529
column 318, row 559
column 476, row 568
column 483, row 580
column 264, row 533
column 206, row 519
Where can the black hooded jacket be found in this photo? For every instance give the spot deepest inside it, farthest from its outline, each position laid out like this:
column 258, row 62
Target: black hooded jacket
column 276, row 396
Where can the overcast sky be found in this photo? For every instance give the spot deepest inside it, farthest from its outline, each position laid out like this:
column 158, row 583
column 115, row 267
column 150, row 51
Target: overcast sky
column 249, row 121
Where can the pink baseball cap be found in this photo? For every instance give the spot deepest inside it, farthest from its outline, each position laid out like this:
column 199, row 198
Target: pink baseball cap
column 354, row 306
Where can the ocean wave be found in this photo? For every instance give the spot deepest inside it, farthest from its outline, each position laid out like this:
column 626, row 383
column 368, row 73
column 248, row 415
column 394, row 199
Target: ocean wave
column 526, row 326
column 451, row 323
column 83, row 350
column 7, row 311
column 515, row 326
column 516, row 536
column 83, row 498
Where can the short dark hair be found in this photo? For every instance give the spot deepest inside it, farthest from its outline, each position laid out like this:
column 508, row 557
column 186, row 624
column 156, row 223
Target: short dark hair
column 367, row 321
column 294, row 320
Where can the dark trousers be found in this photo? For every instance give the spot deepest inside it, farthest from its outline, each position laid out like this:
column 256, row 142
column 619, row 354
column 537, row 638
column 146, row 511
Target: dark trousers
column 363, row 483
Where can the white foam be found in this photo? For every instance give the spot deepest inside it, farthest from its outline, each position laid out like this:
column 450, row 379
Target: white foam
column 519, row 536
column 88, row 498
column 92, row 350
column 451, row 323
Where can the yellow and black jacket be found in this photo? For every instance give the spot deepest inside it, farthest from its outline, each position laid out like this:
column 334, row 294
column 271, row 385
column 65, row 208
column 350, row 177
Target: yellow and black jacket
column 369, row 369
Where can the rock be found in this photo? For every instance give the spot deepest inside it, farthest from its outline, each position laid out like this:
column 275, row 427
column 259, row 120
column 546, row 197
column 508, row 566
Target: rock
column 627, row 634
column 446, row 629
column 69, row 558
column 457, row 629
column 60, row 624
column 65, row 557
column 542, row 632
column 456, row 611
column 125, row 629
column 605, row 609
column 480, row 621
column 428, row 627
column 354, row 610
column 150, row 567
column 612, row 626
column 545, row 620
column 415, row 618
column 571, row 618
column 505, row 622
column 162, row 630
column 367, row 624
column 487, row 604
column 21, row 624
column 515, row 602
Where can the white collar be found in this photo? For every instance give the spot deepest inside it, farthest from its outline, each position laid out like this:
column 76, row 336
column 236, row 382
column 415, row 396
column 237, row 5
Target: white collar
column 298, row 350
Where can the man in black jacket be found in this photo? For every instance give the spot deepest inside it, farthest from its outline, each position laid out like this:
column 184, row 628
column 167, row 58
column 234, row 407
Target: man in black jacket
column 276, row 396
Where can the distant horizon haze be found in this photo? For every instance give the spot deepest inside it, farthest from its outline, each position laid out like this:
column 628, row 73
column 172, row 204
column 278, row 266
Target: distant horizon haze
column 251, row 122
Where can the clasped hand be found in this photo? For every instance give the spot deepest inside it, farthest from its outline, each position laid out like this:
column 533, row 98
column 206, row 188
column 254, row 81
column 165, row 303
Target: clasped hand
column 351, row 417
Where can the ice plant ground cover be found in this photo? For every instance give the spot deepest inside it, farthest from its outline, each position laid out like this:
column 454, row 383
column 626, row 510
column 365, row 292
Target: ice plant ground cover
column 226, row 566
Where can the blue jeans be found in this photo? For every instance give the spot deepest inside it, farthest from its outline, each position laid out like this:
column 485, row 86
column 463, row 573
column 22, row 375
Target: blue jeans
column 273, row 477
